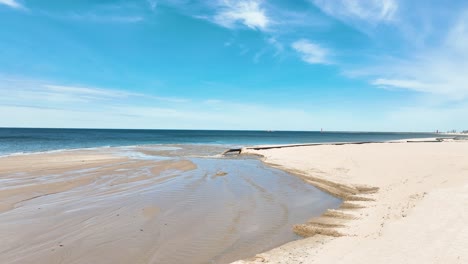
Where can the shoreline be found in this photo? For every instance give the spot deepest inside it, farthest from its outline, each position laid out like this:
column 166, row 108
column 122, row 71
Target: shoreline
column 226, row 145
column 369, row 202
column 329, row 167
column 405, row 140
column 63, row 186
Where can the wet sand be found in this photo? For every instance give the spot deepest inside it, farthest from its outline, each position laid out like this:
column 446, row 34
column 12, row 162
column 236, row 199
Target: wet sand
column 147, row 205
column 403, row 203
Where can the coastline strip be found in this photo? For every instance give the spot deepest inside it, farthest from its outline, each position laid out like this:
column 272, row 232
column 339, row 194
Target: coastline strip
column 266, row 147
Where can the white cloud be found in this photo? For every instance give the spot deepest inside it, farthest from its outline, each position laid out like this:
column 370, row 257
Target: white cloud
column 261, row 15
column 371, row 11
column 126, row 12
column 35, row 104
column 310, row 52
column 17, row 91
column 407, row 84
column 439, row 70
column 247, row 12
column 438, row 75
column 11, row 3
column 86, row 92
column 91, row 17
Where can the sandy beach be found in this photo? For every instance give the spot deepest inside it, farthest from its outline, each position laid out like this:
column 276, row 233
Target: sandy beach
column 403, row 203
column 148, row 204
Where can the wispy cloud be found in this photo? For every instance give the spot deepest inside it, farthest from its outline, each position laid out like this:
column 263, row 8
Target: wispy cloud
column 279, row 47
column 152, row 4
column 432, row 64
column 274, row 46
column 92, row 17
column 250, row 13
column 125, row 12
column 407, row 84
column 38, row 93
column 263, row 15
column 12, row 4
column 311, row 52
column 370, row 11
column 39, row 104
column 437, row 69
column 273, row 19
column 86, row 92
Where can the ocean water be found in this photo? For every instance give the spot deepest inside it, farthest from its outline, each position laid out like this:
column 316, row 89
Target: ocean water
column 28, row 140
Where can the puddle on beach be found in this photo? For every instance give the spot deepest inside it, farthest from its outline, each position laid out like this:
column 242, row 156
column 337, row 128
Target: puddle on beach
column 181, row 210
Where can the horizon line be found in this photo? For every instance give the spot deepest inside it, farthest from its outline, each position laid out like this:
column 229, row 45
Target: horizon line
column 246, row 130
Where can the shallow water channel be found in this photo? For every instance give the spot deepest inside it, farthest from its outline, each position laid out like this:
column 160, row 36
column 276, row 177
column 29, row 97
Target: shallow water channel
column 218, row 211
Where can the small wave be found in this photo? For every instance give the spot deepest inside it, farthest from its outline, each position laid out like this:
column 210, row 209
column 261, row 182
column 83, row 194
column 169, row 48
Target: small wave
column 50, row 151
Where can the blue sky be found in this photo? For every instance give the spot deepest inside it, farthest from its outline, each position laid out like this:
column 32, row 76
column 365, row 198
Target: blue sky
column 371, row 65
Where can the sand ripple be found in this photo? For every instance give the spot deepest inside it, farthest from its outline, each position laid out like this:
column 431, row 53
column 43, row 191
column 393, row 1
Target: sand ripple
column 105, row 208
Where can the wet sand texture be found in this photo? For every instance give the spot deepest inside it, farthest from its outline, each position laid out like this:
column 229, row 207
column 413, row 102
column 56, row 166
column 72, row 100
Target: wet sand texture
column 99, row 207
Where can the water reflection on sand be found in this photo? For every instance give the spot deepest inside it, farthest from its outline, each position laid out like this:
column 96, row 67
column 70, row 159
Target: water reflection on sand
column 152, row 204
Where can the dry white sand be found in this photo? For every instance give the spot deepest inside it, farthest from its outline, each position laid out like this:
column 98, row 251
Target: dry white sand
column 418, row 215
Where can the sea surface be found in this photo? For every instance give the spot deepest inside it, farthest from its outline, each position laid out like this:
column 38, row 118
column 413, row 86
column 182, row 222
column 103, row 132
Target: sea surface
column 28, row 140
